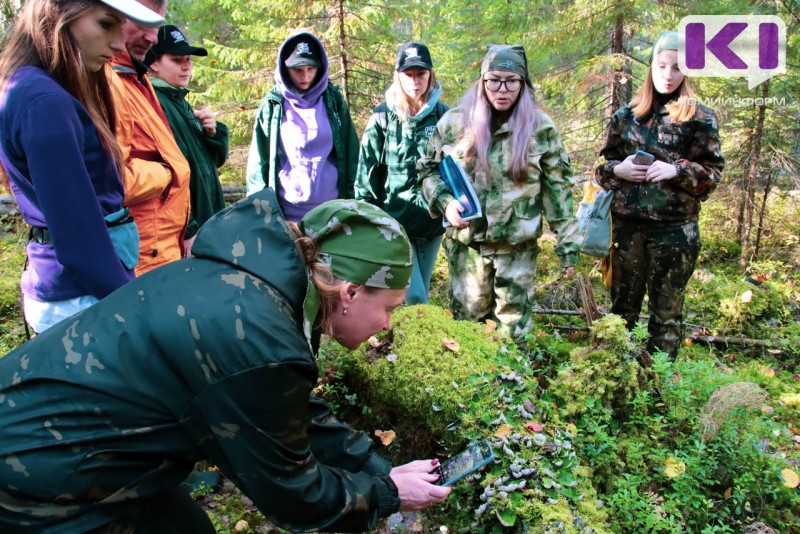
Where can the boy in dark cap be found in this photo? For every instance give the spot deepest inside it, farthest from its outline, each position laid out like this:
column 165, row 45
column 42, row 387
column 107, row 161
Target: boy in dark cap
column 201, row 138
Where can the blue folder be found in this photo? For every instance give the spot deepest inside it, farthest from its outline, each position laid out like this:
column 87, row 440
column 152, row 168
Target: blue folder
column 459, row 184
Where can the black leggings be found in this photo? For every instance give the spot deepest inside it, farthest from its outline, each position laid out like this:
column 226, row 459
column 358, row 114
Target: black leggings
column 174, row 512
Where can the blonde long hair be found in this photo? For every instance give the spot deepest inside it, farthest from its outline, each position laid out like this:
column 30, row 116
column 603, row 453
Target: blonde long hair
column 407, row 107
column 41, row 38
column 643, row 104
column 476, row 133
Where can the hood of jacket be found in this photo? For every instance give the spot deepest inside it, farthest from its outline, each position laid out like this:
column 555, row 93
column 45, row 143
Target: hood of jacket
column 427, row 109
column 252, row 236
column 282, row 80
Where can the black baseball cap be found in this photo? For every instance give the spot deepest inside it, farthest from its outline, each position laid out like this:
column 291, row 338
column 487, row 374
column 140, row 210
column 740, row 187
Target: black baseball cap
column 306, row 52
column 172, row 41
column 413, row 54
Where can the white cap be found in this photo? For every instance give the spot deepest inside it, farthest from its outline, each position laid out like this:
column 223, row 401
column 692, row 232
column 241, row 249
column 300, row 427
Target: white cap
column 136, row 12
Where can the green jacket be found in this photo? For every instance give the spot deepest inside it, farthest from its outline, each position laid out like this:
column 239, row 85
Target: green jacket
column 693, row 146
column 512, row 214
column 263, row 164
column 401, row 144
column 210, row 357
column 204, row 153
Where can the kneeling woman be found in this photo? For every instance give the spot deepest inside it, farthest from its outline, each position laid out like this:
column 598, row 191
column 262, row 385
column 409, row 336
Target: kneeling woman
column 212, row 357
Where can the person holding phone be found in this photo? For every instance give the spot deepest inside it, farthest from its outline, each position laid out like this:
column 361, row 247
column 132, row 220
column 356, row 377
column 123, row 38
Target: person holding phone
column 212, row 358
column 393, row 141
column 59, row 156
column 658, row 193
column 520, row 171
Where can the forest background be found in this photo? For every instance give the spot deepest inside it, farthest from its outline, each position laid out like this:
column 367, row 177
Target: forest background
column 650, row 458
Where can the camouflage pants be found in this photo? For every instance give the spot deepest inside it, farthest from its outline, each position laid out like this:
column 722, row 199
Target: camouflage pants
column 487, row 284
column 658, row 260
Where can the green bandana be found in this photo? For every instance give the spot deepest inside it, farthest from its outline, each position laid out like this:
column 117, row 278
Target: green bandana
column 361, row 243
column 667, row 40
column 509, row 58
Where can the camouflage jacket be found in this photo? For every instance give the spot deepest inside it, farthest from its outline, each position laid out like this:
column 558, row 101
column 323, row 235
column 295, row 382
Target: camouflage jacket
column 401, row 144
column 204, row 358
column 692, row 146
column 512, row 214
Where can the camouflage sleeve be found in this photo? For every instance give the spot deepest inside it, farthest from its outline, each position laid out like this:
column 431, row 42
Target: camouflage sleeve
column 557, row 198
column 701, row 170
column 268, row 444
column 611, row 155
column 369, row 155
column 337, row 445
column 434, row 190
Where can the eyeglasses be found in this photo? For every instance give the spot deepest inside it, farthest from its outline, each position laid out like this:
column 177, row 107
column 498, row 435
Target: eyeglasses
column 494, row 85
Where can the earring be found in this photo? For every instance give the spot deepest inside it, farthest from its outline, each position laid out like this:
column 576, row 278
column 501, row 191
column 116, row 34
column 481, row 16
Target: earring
column 344, row 311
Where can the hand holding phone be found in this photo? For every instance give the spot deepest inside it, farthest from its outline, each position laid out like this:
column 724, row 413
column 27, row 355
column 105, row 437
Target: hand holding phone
column 643, row 158
column 464, row 463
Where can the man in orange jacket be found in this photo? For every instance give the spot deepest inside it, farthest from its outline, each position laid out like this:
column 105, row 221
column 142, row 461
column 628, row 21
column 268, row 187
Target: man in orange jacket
column 156, row 177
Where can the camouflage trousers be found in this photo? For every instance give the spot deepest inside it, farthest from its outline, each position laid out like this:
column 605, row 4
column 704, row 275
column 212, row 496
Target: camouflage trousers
column 658, row 260
column 494, row 283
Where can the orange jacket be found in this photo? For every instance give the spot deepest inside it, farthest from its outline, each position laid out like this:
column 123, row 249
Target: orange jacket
column 156, row 177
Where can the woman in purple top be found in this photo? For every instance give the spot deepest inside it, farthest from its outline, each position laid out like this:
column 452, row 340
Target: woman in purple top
column 59, row 155
column 304, row 144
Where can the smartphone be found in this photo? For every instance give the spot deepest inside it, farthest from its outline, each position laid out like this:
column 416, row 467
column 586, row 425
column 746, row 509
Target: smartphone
column 462, row 464
column 643, row 158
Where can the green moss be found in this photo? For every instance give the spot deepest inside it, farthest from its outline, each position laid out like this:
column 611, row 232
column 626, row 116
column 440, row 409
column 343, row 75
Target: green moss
column 603, row 375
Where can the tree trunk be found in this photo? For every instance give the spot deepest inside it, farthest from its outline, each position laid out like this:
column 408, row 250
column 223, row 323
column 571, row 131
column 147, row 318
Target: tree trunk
column 762, row 214
column 618, row 89
column 340, row 21
column 750, row 184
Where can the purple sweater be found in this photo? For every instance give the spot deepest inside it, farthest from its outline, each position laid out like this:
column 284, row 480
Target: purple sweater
column 64, row 180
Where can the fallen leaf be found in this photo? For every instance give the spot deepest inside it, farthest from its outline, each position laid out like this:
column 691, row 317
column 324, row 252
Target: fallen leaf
column 728, row 493
column 747, row 296
column 534, row 427
column 491, row 326
column 529, row 407
column 790, row 478
column 769, row 372
column 503, row 430
column 688, row 342
column 674, row 467
column 416, row 526
column 774, row 351
column 675, row 378
column 767, row 409
column 386, row 436
column 451, row 344
column 448, row 313
column 573, row 429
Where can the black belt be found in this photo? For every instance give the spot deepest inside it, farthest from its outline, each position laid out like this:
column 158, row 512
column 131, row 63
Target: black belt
column 40, row 235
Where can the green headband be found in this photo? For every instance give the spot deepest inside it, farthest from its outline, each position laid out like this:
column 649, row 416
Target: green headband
column 667, row 40
column 509, row 58
column 360, row 243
